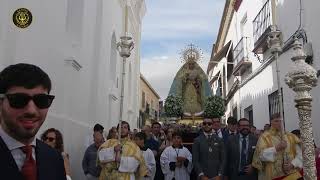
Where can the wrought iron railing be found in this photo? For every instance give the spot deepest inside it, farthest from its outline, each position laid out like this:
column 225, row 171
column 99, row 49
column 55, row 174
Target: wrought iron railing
column 240, row 51
column 262, row 21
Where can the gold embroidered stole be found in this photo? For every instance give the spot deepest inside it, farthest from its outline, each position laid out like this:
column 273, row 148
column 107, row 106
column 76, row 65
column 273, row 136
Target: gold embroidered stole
column 129, row 149
column 271, row 138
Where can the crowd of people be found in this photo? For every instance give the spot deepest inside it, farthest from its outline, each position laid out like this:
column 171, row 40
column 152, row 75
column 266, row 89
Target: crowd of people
column 238, row 151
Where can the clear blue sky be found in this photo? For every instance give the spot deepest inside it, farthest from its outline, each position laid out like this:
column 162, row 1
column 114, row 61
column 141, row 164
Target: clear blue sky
column 167, row 28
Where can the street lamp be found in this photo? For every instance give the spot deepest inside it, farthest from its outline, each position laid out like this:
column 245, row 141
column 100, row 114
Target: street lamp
column 301, row 79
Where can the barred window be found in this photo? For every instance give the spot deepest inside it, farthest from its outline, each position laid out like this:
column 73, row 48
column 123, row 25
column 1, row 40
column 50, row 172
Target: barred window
column 274, row 103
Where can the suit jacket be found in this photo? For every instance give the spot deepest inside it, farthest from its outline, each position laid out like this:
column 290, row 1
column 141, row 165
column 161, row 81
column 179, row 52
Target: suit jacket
column 225, row 135
column 49, row 163
column 210, row 163
column 233, row 157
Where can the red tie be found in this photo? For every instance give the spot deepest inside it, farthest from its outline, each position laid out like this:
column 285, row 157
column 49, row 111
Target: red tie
column 29, row 168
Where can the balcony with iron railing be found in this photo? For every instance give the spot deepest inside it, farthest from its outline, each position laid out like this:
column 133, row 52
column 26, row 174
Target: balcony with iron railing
column 241, row 57
column 261, row 27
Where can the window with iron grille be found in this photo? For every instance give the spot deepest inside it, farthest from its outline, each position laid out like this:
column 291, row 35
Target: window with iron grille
column 274, row 103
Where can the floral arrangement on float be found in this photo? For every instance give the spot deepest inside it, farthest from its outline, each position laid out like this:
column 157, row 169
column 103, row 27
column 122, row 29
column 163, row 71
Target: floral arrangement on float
column 173, row 106
column 214, row 107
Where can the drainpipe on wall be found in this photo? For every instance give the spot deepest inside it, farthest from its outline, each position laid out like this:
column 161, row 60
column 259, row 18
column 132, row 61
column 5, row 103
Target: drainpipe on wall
column 274, row 12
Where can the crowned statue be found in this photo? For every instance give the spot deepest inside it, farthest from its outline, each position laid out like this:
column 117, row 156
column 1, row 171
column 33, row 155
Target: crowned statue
column 191, row 83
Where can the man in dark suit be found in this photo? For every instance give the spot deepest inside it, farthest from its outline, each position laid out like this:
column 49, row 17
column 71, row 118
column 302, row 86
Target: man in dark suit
column 240, row 150
column 24, row 103
column 208, row 153
column 216, row 126
column 231, row 128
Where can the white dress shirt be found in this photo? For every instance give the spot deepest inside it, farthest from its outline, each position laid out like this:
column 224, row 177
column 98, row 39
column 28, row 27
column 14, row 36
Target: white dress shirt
column 219, row 133
column 233, row 133
column 208, row 134
column 15, row 148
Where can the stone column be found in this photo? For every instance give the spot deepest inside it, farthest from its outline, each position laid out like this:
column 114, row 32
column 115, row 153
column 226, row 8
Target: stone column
column 301, row 78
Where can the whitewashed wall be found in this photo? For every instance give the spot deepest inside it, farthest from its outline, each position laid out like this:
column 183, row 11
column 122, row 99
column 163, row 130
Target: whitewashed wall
column 250, row 10
column 85, row 31
column 256, row 91
column 288, row 21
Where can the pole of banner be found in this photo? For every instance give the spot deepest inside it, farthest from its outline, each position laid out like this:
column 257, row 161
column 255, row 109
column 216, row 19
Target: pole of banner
column 125, row 46
column 301, row 78
column 239, row 79
column 275, row 45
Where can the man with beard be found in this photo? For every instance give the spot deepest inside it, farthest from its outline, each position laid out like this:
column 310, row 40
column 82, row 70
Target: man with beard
column 208, row 153
column 121, row 160
column 240, row 149
column 24, row 103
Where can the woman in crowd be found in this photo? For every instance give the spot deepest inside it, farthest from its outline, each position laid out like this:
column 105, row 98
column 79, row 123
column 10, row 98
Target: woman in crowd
column 53, row 138
column 168, row 140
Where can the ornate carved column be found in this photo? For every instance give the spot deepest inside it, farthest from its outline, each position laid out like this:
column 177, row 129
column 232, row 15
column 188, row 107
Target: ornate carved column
column 301, row 78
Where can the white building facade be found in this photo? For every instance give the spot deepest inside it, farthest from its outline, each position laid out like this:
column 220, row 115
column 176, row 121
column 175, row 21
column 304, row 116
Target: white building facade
column 242, row 68
column 75, row 42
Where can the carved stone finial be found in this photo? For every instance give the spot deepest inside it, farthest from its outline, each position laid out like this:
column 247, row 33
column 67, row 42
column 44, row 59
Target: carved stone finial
column 125, row 46
column 300, row 71
column 275, row 40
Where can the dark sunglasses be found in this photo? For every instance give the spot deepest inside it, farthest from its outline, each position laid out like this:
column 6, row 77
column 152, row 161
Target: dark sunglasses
column 207, row 123
column 50, row 139
column 20, row 100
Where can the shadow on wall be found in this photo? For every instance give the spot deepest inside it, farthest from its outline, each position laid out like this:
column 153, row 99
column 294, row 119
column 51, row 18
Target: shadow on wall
column 260, row 107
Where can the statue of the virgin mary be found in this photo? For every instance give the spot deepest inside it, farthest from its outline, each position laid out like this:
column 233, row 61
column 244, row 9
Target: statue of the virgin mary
column 191, row 83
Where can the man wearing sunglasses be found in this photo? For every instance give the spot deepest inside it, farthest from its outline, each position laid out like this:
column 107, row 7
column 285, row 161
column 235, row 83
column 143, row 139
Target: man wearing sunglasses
column 208, row 154
column 24, row 103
